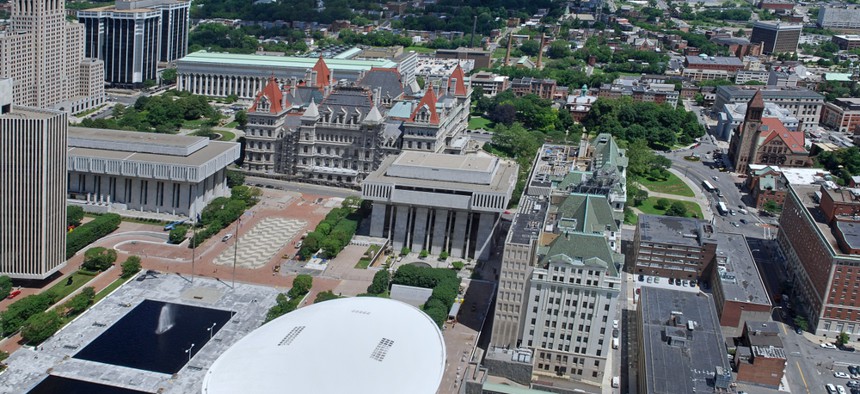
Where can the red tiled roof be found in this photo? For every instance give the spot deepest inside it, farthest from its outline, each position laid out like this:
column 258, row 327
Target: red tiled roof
column 794, row 140
column 460, row 88
column 273, row 94
column 429, row 100
column 323, row 73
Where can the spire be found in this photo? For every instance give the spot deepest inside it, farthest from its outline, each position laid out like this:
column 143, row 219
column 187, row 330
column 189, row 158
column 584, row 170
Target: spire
column 755, row 107
column 311, row 112
column 428, row 102
column 323, row 74
column 373, row 116
column 459, row 81
column 757, row 100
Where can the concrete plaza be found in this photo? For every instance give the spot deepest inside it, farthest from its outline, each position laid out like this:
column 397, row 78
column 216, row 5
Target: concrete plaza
column 29, row 366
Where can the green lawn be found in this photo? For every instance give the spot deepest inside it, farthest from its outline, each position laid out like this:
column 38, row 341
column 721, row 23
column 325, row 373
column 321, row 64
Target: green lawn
column 480, row 122
column 111, row 287
column 232, row 125
column 673, row 185
column 365, row 261
column 225, row 135
column 649, row 208
column 194, row 124
column 419, row 49
column 630, row 217
column 61, row 289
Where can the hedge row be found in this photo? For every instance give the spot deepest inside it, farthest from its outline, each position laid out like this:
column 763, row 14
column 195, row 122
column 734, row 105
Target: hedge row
column 444, row 282
column 90, row 232
column 223, row 211
column 332, row 234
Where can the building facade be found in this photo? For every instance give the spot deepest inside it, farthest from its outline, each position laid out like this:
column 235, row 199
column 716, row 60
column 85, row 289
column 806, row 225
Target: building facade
column 760, row 140
column 847, row 42
column 777, row 37
column 127, row 172
column 32, row 152
column 673, row 247
column 132, row 37
column 438, row 202
column 839, row 17
column 44, row 57
column 804, row 104
column 821, row 255
column 738, row 290
column 491, row 84
column 843, row 114
column 703, row 68
column 543, row 88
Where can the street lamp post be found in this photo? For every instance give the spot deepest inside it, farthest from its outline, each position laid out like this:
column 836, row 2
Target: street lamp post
column 189, row 352
column 210, row 330
column 235, row 250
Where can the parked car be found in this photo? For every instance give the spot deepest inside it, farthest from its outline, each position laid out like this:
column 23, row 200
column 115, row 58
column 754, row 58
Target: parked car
column 854, row 369
column 831, row 389
column 840, row 375
column 743, row 221
column 798, row 330
column 227, row 237
column 853, row 383
column 641, row 278
column 827, row 345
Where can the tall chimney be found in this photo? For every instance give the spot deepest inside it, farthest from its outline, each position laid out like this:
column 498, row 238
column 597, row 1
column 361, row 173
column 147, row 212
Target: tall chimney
column 540, row 51
column 508, row 52
column 474, row 25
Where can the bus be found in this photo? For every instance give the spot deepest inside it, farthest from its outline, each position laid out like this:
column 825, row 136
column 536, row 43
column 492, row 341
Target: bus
column 721, row 206
column 707, row 185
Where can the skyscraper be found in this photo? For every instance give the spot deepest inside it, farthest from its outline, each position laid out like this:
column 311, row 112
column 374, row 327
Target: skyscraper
column 44, row 55
column 32, row 189
column 132, row 36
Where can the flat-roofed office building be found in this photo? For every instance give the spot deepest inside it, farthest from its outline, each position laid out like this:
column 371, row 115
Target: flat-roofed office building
column 438, row 202
column 33, row 184
column 123, row 171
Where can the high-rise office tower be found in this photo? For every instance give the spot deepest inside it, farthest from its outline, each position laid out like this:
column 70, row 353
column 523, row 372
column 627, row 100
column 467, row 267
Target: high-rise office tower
column 32, row 189
column 132, row 37
column 43, row 56
column 776, row 37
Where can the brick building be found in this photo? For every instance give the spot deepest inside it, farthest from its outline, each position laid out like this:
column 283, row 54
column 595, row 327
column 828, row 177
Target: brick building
column 673, row 247
column 760, row 357
column 739, row 293
column 761, row 140
column 543, row 88
column 843, row 114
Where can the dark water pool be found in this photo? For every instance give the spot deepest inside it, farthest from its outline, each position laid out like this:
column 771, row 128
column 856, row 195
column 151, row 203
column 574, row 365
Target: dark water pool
column 134, row 342
column 58, row 385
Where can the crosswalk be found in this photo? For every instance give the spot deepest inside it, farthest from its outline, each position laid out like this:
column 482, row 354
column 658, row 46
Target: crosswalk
column 257, row 246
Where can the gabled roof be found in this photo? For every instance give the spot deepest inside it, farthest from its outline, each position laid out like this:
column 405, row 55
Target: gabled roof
column 460, row 76
column 772, row 128
column 323, row 73
column 272, row 94
column 586, row 213
column 590, row 250
column 427, row 102
column 388, row 80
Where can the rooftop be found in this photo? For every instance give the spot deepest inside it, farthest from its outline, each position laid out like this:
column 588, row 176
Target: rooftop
column 529, row 220
column 277, row 62
column 349, row 345
column 745, row 93
column 673, row 230
column 737, row 271
column 720, row 60
column 679, row 360
column 778, row 25
column 809, row 196
column 796, row 176
column 447, row 172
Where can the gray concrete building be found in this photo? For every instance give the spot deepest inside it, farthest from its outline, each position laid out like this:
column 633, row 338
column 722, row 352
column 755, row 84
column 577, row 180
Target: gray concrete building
column 844, row 16
column 804, row 104
column 681, row 348
column 33, row 184
column 732, row 115
column 438, row 202
column 776, row 37
column 126, row 171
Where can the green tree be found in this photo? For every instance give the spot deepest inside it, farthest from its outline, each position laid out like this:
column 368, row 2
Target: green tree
column 301, row 285
column 98, row 259
column 558, row 49
column 381, row 281
column 423, row 253
column 842, row 339
column 404, row 251
column 241, row 118
column 663, row 204
column 801, row 323
column 178, row 234
column 677, row 209
column 771, row 207
column 74, row 215
column 41, row 326
column 130, row 266
column 80, row 302
column 530, row 47
column 458, row 265
column 325, row 296
column 5, row 286
column 235, row 178
column 443, row 255
column 168, row 76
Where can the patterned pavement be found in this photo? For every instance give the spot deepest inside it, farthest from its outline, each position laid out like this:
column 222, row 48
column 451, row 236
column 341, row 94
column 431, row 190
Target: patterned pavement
column 258, row 246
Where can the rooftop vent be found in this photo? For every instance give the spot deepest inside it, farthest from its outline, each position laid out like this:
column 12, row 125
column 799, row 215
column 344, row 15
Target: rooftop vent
column 288, row 339
column 382, row 349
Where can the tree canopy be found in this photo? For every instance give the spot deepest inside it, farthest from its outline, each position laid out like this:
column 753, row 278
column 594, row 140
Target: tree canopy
column 660, row 124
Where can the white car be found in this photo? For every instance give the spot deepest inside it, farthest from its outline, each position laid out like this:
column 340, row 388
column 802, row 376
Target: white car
column 828, row 345
column 227, row 237
column 615, row 324
column 840, row 389
column 841, row 375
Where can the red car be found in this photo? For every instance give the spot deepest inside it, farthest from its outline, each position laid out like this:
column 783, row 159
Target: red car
column 14, row 294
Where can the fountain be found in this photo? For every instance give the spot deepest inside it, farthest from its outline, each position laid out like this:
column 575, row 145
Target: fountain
column 165, row 319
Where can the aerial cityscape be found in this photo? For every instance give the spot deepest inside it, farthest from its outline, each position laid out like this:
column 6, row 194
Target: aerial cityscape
column 430, row 196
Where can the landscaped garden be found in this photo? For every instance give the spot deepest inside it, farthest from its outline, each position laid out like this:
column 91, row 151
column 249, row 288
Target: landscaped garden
column 671, row 185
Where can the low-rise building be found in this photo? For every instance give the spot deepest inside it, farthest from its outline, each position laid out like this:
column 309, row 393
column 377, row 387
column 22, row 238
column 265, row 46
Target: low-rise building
column 843, row 114
column 702, row 68
column 845, row 16
column 803, row 103
column 745, row 76
column 847, row 42
column 732, row 116
column 673, row 247
column 760, row 358
column 492, row 84
column 543, row 88
column 481, row 57
column 126, row 171
column 438, row 202
column 738, row 290
column 641, row 91
column 681, row 349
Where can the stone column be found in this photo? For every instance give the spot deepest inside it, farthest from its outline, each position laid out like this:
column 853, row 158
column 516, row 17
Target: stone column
column 458, row 238
column 439, row 231
column 401, row 225
column 420, row 235
column 486, row 224
column 377, row 219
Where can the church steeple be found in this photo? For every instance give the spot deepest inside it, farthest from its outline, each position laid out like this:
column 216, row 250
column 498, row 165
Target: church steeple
column 755, row 108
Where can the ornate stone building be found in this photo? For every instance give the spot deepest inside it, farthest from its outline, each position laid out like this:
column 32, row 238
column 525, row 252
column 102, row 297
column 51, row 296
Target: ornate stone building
column 760, row 140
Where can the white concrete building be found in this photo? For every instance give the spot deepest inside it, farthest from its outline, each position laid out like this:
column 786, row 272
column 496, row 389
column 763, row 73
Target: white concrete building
column 733, row 114
column 44, row 56
column 33, row 184
column 438, row 202
column 120, row 171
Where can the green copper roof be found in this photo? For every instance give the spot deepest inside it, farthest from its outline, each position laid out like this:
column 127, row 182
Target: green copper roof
column 606, row 151
column 590, row 250
column 505, row 389
column 586, row 213
column 204, row 57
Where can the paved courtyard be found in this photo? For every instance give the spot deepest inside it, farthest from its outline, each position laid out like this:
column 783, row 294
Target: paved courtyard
column 258, row 246
column 28, row 366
